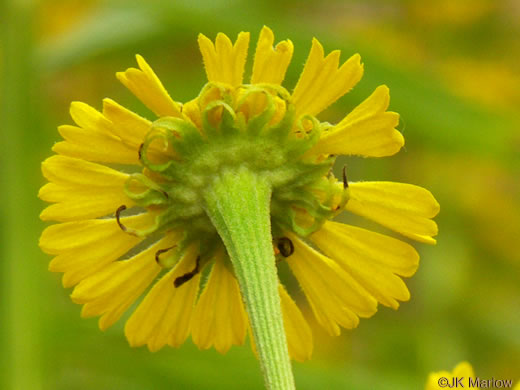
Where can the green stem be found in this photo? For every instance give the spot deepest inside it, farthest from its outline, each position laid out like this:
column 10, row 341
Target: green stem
column 21, row 272
column 238, row 203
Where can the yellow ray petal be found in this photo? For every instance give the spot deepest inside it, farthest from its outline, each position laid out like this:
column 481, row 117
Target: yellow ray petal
column 89, row 118
column 299, row 335
column 334, row 296
column 369, row 130
column 94, row 146
column 223, row 61
column 85, row 207
column 81, row 189
column 129, row 126
column 219, row 318
column 405, row 208
column 111, row 286
column 117, row 276
column 373, row 259
column 52, row 192
column 322, row 83
column 164, row 314
column 76, row 202
column 89, row 234
column 73, row 171
column 132, row 129
column 147, row 87
column 78, row 265
column 270, row 63
column 110, row 291
column 95, row 139
column 79, row 249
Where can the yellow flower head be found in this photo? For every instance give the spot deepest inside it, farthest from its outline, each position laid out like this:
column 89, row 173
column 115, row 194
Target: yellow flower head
column 130, row 196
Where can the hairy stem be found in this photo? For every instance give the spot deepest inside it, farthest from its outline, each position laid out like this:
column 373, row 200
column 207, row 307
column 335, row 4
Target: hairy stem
column 238, row 203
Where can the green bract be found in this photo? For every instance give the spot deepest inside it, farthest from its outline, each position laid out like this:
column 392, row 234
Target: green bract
column 270, row 142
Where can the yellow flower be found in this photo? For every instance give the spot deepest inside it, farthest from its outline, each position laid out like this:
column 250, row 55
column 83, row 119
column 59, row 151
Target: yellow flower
column 129, row 196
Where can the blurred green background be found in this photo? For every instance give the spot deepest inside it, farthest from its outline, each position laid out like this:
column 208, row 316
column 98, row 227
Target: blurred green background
column 452, row 69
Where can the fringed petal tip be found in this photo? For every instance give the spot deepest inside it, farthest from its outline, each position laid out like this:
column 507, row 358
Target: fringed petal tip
column 147, row 87
column 223, row 61
column 367, row 131
column 270, row 63
column 322, row 82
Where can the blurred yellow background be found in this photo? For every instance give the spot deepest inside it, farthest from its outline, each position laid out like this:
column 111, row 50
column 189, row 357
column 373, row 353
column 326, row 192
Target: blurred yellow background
column 452, row 68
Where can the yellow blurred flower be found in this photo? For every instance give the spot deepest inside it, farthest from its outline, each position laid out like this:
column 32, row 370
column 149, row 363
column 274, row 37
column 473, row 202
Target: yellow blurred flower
column 57, row 17
column 460, row 12
column 490, row 82
column 157, row 173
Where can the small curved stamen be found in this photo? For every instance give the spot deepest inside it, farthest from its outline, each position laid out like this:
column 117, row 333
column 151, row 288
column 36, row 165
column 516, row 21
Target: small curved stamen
column 118, row 215
column 345, row 182
column 160, row 252
column 285, row 246
column 179, row 281
column 130, row 231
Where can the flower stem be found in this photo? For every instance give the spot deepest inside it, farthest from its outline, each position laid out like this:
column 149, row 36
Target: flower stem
column 238, row 203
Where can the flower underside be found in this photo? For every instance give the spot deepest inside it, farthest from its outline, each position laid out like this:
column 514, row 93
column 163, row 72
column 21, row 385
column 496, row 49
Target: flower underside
column 120, row 233
column 253, row 128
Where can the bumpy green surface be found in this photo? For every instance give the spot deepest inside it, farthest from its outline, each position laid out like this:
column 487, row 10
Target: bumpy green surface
column 228, row 140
